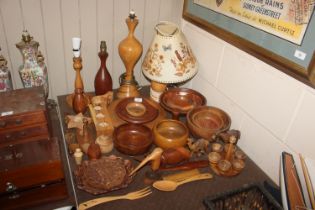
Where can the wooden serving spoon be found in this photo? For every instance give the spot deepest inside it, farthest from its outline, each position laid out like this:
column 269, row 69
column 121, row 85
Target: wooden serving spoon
column 168, row 185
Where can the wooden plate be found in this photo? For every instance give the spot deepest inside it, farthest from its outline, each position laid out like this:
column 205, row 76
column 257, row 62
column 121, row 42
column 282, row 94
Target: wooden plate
column 150, row 111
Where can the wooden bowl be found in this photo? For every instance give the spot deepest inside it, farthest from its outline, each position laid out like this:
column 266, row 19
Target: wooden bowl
column 205, row 121
column 181, row 100
column 170, row 134
column 125, row 110
column 132, row 139
column 135, row 109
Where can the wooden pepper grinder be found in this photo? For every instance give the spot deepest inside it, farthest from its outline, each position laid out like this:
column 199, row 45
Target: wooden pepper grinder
column 103, row 81
column 79, row 103
column 130, row 51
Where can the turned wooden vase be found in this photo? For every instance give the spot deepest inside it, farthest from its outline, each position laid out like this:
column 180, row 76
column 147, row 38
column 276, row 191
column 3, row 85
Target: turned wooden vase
column 103, row 81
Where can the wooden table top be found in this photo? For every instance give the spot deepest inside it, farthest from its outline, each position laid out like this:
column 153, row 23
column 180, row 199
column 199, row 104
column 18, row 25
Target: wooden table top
column 188, row 196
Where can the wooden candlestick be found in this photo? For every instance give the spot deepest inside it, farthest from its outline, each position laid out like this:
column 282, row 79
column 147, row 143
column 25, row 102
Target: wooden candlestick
column 77, row 66
column 130, row 51
column 78, row 100
column 79, row 103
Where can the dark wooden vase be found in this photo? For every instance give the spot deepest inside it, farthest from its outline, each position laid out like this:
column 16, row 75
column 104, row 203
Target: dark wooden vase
column 103, row 81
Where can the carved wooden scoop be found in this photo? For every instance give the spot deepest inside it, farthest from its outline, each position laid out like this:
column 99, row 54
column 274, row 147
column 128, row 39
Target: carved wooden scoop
column 155, row 156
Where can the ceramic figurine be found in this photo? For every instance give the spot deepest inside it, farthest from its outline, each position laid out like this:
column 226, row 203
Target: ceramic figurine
column 5, row 76
column 33, row 72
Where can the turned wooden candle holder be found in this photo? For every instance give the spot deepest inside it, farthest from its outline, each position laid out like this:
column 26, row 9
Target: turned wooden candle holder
column 229, row 161
column 81, row 104
column 130, row 51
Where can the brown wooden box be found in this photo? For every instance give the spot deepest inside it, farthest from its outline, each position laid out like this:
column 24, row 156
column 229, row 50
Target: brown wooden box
column 23, row 116
column 28, row 168
column 31, row 170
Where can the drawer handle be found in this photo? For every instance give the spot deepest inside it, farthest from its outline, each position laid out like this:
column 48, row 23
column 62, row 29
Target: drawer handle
column 3, row 124
column 18, row 121
column 10, row 187
column 8, row 136
column 22, row 133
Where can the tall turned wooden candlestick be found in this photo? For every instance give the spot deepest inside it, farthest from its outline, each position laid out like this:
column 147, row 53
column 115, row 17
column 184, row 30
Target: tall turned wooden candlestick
column 78, row 100
column 77, row 66
column 130, row 51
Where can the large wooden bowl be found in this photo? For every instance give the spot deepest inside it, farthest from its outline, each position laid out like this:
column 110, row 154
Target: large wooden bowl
column 132, row 139
column 170, row 134
column 181, row 100
column 205, row 121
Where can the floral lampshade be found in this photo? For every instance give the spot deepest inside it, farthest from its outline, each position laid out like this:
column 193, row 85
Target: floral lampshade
column 169, row 58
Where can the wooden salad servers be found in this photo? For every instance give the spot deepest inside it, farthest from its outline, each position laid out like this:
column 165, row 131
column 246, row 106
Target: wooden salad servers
column 168, row 185
column 130, row 196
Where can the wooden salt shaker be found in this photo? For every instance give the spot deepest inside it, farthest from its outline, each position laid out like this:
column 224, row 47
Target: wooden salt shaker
column 78, row 154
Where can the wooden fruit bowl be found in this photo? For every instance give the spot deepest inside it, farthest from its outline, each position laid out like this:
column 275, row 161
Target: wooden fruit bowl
column 132, row 139
column 181, row 100
column 170, row 134
column 206, row 121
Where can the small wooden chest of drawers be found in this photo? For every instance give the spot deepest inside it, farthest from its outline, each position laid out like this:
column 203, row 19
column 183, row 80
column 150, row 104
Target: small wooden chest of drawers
column 23, row 116
column 31, row 170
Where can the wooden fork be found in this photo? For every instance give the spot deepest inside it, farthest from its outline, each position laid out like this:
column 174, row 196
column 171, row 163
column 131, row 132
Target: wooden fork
column 130, row 196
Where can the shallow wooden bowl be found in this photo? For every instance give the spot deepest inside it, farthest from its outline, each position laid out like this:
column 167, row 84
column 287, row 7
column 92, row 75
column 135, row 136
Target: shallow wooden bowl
column 170, row 134
column 135, row 109
column 181, row 100
column 132, row 139
column 205, row 121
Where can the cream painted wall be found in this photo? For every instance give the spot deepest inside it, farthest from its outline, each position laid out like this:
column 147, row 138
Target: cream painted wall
column 273, row 111
column 54, row 22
